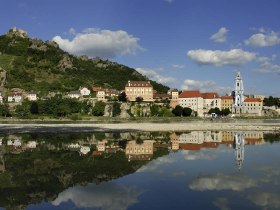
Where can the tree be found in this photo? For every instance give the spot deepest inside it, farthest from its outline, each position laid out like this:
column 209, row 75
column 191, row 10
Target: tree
column 34, row 108
column 23, row 110
column 4, row 110
column 98, row 109
column 177, row 111
column 215, row 110
column 155, row 110
column 139, row 99
column 225, row 112
column 186, row 111
column 122, row 97
column 116, row 109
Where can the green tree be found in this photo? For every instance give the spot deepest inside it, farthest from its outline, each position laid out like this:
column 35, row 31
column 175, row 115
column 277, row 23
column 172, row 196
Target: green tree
column 186, row 111
column 177, row 111
column 23, row 110
column 34, row 108
column 139, row 99
column 225, row 112
column 98, row 109
column 122, row 97
column 215, row 110
column 4, row 110
column 155, row 110
column 116, row 109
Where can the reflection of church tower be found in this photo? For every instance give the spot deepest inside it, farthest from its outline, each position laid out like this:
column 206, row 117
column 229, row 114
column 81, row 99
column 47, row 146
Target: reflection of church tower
column 238, row 94
column 239, row 149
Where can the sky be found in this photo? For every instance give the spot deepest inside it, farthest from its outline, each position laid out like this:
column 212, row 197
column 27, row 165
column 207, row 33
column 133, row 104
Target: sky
column 184, row 44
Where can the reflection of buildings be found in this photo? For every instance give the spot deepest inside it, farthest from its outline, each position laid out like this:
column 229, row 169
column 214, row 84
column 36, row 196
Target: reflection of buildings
column 143, row 151
column 239, row 143
column 197, row 140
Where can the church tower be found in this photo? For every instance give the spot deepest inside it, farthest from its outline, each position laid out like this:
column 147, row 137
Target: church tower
column 239, row 91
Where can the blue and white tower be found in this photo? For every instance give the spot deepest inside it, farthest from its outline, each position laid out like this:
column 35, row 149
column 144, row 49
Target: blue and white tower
column 239, row 91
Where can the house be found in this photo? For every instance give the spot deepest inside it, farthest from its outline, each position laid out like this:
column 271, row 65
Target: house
column 100, row 95
column 96, row 88
column 74, row 94
column 31, row 96
column 211, row 100
column 84, row 91
column 15, row 97
column 1, row 99
column 135, row 89
column 174, row 97
column 226, row 102
column 253, row 106
column 192, row 99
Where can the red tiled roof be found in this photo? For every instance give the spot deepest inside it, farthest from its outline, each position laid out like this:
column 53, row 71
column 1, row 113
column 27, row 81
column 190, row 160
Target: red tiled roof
column 138, row 84
column 190, row 94
column 209, row 95
column 226, row 97
column 252, row 100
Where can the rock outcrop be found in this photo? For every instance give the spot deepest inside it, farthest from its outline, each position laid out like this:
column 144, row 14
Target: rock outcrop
column 17, row 32
column 65, row 63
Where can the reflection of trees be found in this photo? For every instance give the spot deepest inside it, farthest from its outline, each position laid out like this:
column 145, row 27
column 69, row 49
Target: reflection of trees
column 33, row 176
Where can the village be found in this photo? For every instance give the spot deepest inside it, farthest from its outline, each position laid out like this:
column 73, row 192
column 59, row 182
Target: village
column 201, row 104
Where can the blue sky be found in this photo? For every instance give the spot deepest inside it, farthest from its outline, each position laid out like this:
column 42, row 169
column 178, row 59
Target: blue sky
column 185, row 44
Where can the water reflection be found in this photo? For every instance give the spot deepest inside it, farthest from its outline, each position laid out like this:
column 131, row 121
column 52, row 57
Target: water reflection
column 129, row 170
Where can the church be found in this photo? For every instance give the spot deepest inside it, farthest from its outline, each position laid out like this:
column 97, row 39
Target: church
column 242, row 105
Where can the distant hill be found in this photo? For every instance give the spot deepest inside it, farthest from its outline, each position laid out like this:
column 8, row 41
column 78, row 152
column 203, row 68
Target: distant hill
column 32, row 64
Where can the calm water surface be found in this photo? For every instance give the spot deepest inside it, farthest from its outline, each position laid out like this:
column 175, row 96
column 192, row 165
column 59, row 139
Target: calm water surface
column 131, row 171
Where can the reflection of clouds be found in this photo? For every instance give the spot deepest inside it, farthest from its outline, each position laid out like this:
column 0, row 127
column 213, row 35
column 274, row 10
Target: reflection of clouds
column 199, row 155
column 221, row 203
column 154, row 166
column 106, row 196
column 271, row 174
column 265, row 199
column 236, row 182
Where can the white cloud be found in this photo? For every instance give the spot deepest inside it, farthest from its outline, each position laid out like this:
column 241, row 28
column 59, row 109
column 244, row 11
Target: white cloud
column 153, row 75
column 72, row 31
column 199, row 155
column 103, row 43
column 222, row 203
column 263, row 39
column 265, row 199
column 106, row 196
column 234, row 57
column 204, row 86
column 156, row 165
column 266, row 65
column 220, row 36
column 178, row 66
column 235, row 182
column 169, row 1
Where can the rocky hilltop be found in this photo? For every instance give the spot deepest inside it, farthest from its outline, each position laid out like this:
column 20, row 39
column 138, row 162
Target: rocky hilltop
column 34, row 64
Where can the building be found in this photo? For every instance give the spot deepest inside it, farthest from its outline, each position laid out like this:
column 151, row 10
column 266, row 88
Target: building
column 74, row 94
column 226, row 102
column 100, row 95
column 15, row 97
column 84, row 91
column 253, row 106
column 142, row 151
column 211, row 100
column 192, row 99
column 174, row 97
column 31, row 96
column 135, row 89
column 1, row 99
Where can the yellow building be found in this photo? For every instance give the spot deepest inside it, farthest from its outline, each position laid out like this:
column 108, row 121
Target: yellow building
column 253, row 106
column 142, row 151
column 226, row 102
column 143, row 89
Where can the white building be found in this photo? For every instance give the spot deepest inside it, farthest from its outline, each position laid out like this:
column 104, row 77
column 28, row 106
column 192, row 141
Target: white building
column 31, row 96
column 84, row 91
column 1, row 99
column 74, row 94
column 100, row 95
column 192, row 99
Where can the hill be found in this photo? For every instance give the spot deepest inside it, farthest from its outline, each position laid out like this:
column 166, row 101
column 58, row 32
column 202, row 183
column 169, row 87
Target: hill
column 32, row 64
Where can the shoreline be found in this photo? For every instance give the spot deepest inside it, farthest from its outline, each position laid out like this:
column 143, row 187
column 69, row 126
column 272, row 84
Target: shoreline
column 141, row 126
